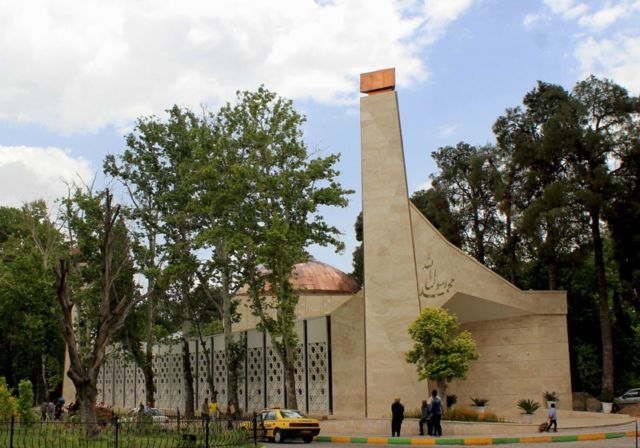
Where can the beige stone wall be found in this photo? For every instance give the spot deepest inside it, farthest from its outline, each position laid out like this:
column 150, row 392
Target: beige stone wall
column 391, row 293
column 309, row 306
column 347, row 352
column 520, row 358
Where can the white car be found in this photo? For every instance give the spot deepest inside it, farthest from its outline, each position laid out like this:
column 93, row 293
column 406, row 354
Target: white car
column 157, row 416
column 632, row 396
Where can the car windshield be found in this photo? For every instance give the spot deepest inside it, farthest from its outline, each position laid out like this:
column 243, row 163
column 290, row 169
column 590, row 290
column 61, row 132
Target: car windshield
column 290, row 413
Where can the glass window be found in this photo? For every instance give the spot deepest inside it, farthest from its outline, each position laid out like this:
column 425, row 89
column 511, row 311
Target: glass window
column 290, row 413
column 271, row 415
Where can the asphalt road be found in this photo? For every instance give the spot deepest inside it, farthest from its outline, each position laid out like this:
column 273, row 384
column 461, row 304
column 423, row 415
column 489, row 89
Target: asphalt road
column 624, row 442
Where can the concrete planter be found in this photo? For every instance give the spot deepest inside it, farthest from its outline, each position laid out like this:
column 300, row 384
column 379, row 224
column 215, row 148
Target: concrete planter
column 606, row 407
column 527, row 419
column 479, row 409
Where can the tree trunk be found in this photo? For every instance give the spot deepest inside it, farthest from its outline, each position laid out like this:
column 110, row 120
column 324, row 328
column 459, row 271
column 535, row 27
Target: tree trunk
column 442, row 391
column 289, row 362
column 227, row 322
column 87, row 392
column 189, row 406
column 603, row 302
column 147, row 371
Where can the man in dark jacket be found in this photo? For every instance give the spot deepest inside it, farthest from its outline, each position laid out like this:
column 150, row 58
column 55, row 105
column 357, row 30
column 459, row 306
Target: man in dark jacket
column 397, row 415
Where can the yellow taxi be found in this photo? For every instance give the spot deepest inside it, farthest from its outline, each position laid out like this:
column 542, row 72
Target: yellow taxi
column 279, row 424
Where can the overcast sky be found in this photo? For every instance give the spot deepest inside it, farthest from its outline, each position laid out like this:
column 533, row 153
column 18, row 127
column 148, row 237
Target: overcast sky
column 74, row 74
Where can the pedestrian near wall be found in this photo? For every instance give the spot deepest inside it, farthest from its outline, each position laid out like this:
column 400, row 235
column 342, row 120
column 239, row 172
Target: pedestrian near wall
column 435, row 412
column 424, row 417
column 397, row 415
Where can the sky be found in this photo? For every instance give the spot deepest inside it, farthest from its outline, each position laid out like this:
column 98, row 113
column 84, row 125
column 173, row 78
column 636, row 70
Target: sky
column 75, row 74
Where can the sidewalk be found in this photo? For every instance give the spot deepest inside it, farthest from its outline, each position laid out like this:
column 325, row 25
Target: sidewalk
column 571, row 435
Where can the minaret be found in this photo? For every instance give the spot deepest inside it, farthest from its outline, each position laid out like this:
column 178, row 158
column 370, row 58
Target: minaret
column 391, row 290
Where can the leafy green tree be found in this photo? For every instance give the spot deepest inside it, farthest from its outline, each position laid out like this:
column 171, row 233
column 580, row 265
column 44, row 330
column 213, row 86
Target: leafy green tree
column 465, row 179
column 288, row 189
column 24, row 404
column 434, row 205
column 7, row 401
column 440, row 352
column 94, row 288
column 29, row 335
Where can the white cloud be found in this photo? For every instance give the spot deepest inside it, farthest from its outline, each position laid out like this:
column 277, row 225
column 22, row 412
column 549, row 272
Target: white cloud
column 598, row 50
column 31, row 173
column 447, row 130
column 531, row 19
column 80, row 65
column 617, row 58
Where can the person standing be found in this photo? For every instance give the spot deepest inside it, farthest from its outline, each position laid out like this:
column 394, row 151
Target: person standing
column 397, row 415
column 435, row 412
column 204, row 410
column 213, row 409
column 553, row 418
column 231, row 412
column 424, row 417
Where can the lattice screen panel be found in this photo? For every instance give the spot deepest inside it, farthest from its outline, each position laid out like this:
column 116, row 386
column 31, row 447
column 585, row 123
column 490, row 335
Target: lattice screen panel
column 220, row 377
column 130, row 385
column 118, row 386
column 318, row 377
column 255, row 378
column 275, row 379
column 300, row 381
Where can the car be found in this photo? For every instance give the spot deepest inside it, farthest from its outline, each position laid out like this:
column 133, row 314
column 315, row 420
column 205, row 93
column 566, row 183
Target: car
column 279, row 424
column 157, row 416
column 632, row 396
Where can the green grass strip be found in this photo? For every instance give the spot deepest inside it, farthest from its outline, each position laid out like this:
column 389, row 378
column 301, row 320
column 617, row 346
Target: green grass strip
column 502, row 440
column 359, row 439
column 399, row 441
column 613, row 435
column 570, row 438
column 449, row 441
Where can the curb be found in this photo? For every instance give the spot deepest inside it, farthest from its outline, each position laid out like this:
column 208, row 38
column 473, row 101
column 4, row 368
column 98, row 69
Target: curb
column 475, row 440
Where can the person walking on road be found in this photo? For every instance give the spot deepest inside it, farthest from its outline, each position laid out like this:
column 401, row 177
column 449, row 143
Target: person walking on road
column 397, row 415
column 553, row 418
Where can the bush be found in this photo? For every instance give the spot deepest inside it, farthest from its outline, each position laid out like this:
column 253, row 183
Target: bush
column 528, row 406
column 7, row 402
column 470, row 415
column 413, row 413
column 550, row 396
column 24, row 404
column 451, row 400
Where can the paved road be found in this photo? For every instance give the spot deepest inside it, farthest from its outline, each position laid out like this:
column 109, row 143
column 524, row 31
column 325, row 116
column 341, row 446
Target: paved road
column 625, row 442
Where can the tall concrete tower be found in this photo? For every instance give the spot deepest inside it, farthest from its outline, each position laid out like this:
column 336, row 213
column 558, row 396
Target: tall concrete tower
column 389, row 257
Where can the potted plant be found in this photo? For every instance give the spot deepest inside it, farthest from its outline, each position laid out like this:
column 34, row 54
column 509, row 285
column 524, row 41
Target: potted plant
column 550, row 397
column 529, row 407
column 479, row 404
column 451, row 401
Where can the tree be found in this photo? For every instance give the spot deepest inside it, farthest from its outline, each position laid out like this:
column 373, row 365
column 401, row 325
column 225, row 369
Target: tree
column 466, row 181
column 288, row 188
column 434, row 205
column 94, row 281
column 440, row 352
column 29, row 336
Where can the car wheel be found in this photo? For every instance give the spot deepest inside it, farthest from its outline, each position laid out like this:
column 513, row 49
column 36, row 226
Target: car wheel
column 278, row 437
column 307, row 439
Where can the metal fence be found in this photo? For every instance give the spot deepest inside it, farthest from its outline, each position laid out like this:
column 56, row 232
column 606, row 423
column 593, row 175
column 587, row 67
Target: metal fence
column 130, row 433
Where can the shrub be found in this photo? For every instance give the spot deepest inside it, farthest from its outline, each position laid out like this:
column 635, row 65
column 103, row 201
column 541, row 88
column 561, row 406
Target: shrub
column 479, row 401
column 550, row 396
column 451, row 400
column 24, row 404
column 528, row 406
column 7, row 402
column 470, row 415
column 413, row 413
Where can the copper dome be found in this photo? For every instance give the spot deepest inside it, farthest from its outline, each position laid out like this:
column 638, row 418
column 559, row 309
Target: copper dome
column 316, row 277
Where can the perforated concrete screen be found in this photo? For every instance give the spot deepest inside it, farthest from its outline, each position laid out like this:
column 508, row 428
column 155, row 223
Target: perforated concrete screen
column 121, row 383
